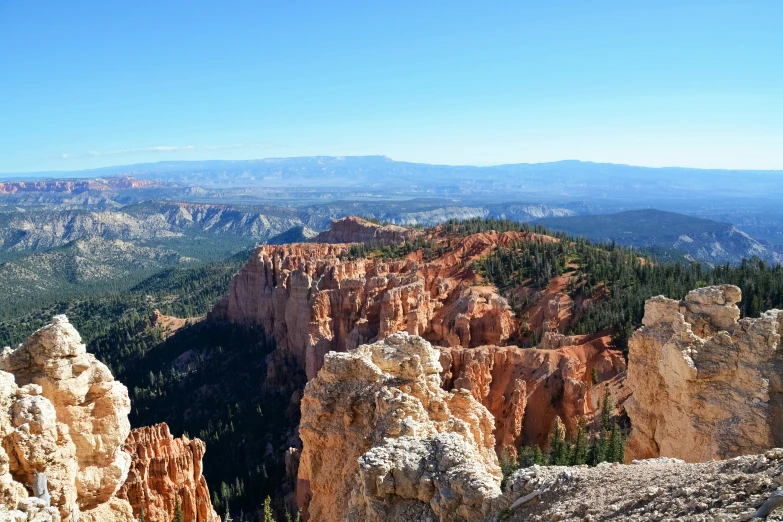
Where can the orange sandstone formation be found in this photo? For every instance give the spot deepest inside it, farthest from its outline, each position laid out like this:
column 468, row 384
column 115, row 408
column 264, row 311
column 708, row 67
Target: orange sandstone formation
column 312, row 299
column 164, row 470
column 357, row 230
column 527, row 389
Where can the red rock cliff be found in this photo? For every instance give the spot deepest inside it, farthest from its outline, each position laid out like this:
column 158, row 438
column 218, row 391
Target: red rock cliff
column 526, row 389
column 164, row 469
column 357, row 230
column 312, row 299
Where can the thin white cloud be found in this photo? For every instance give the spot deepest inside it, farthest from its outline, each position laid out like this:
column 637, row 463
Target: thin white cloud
column 166, row 148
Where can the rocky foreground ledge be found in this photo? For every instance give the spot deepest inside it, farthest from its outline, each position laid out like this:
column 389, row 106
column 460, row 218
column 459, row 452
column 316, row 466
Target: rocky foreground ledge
column 383, row 441
column 654, row 489
column 62, row 423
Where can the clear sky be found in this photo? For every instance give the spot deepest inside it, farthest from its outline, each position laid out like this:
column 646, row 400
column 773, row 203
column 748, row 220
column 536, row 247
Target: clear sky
column 93, row 83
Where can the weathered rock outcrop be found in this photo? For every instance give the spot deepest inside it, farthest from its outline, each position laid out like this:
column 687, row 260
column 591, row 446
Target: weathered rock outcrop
column 12, row 187
column 705, row 384
column 64, row 416
column 527, row 389
column 383, row 441
column 312, row 299
column 164, row 469
column 655, row 489
column 168, row 324
column 357, row 230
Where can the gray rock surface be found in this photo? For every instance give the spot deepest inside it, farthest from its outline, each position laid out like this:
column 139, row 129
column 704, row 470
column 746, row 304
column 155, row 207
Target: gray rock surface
column 656, row 489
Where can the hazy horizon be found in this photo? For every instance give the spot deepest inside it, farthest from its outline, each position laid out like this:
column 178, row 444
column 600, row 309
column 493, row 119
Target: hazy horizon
column 11, row 175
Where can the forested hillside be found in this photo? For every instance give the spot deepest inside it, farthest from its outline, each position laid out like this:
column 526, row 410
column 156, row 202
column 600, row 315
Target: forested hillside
column 120, row 307
column 617, row 279
column 703, row 240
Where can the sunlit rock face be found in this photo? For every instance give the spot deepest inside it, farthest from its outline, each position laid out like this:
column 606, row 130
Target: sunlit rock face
column 63, row 416
column 163, row 470
column 384, row 442
column 706, row 384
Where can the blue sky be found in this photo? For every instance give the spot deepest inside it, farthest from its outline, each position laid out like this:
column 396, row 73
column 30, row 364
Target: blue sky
column 691, row 83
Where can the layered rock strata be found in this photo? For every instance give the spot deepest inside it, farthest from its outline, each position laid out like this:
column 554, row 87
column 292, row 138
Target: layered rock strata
column 312, row 299
column 706, row 385
column 527, row 389
column 164, row 470
column 63, row 418
column 383, row 441
column 357, row 230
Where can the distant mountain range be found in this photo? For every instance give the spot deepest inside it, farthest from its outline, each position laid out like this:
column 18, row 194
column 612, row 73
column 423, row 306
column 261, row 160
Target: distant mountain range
column 699, row 239
column 428, row 193
column 563, row 179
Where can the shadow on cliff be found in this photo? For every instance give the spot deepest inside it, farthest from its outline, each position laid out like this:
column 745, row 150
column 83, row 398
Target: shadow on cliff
column 211, row 380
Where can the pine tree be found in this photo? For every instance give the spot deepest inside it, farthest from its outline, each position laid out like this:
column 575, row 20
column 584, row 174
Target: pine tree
column 508, row 464
column 268, row 510
column 178, row 517
column 531, row 456
column 599, row 448
column 141, row 514
column 607, row 410
column 616, row 448
column 558, row 448
column 579, row 453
